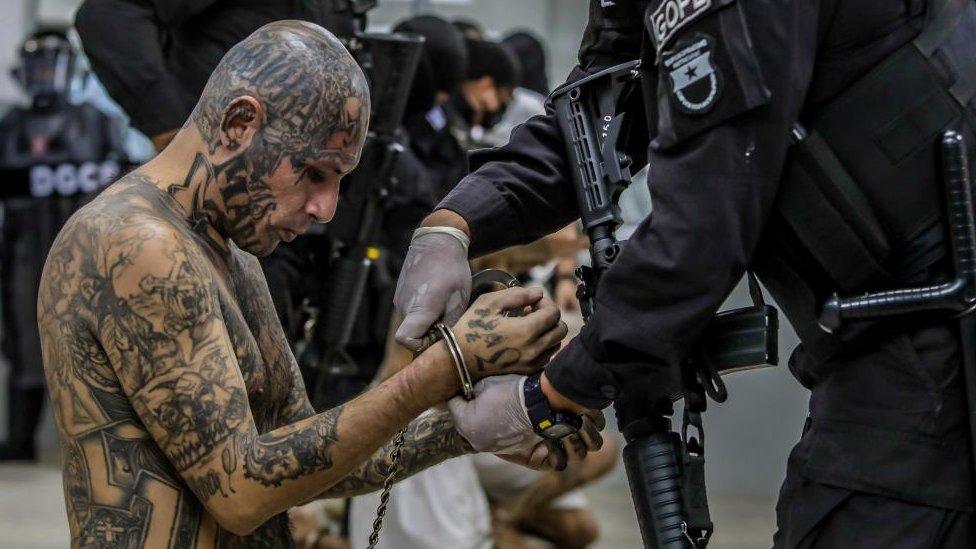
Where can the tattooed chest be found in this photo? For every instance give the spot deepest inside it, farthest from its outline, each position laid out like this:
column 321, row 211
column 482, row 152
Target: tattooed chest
column 266, row 387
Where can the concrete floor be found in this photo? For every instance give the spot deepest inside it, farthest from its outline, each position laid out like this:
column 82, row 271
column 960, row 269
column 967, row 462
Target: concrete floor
column 32, row 513
column 741, row 522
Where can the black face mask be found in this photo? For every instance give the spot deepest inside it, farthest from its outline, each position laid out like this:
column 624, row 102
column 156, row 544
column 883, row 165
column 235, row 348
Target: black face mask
column 461, row 107
column 423, row 91
column 489, row 120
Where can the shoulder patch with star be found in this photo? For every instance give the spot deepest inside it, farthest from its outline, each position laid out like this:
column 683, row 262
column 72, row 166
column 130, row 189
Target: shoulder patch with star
column 695, row 80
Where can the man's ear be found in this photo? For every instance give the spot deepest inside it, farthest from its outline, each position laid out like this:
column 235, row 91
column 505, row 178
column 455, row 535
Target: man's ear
column 242, row 119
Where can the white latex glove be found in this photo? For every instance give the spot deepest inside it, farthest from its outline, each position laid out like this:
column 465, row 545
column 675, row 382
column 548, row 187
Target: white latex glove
column 435, row 282
column 496, row 421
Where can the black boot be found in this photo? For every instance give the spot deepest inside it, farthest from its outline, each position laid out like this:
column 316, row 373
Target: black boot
column 24, row 414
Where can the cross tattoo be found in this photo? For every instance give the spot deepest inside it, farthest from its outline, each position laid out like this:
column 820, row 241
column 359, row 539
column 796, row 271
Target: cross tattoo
column 108, row 532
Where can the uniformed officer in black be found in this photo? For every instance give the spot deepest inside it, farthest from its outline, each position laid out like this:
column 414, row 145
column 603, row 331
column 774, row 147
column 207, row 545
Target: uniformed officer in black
column 156, row 69
column 58, row 155
column 429, row 118
column 883, row 460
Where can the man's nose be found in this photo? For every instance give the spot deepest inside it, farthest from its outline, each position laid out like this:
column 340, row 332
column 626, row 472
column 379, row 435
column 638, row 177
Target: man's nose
column 322, row 203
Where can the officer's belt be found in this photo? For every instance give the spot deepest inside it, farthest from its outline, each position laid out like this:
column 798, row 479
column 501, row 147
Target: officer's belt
column 859, row 190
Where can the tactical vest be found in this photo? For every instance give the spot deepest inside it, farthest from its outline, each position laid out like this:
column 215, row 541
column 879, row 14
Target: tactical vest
column 860, row 199
column 80, row 150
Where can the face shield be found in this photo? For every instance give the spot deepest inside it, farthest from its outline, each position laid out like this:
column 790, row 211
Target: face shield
column 48, row 67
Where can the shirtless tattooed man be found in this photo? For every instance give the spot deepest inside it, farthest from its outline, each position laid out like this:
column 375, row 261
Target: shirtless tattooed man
column 183, row 419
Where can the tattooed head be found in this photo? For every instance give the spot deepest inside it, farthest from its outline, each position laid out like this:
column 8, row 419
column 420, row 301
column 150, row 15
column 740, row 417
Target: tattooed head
column 284, row 117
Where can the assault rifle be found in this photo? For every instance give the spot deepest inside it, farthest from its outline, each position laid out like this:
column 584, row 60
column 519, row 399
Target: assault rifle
column 390, row 62
column 665, row 469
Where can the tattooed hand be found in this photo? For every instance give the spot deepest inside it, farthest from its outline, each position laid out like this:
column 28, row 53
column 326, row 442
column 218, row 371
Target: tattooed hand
column 494, row 343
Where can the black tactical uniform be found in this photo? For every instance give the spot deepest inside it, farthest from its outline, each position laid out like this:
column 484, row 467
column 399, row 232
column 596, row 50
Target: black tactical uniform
column 58, row 155
column 724, row 83
column 435, row 145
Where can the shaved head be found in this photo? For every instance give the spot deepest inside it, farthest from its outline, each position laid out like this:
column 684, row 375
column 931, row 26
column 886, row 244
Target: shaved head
column 302, row 76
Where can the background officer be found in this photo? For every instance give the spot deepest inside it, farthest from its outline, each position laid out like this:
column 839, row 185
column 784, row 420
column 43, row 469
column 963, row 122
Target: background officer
column 156, row 69
column 62, row 153
column 883, row 460
column 429, row 119
column 478, row 104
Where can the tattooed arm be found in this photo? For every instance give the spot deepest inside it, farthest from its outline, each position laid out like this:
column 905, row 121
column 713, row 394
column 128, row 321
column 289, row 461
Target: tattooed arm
column 163, row 329
column 429, row 440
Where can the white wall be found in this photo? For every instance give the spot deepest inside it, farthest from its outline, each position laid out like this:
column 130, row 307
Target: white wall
column 15, row 15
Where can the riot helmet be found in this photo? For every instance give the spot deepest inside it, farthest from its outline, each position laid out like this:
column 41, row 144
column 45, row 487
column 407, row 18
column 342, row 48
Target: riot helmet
column 48, row 67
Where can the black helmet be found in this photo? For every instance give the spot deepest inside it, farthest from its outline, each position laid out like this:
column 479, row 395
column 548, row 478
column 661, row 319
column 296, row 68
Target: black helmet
column 532, row 57
column 49, row 65
column 443, row 64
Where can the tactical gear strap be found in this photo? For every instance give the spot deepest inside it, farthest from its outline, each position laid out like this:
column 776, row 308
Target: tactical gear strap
column 755, row 290
column 965, row 87
column 792, row 292
column 822, row 227
column 946, row 15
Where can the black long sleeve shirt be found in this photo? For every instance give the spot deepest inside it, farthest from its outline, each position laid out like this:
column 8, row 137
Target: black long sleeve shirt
column 155, row 56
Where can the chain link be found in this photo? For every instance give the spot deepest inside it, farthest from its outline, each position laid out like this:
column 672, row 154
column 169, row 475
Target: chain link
column 374, row 538
column 489, row 275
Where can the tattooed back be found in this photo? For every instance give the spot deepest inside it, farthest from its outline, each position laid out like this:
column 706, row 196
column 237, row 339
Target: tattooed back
column 117, row 336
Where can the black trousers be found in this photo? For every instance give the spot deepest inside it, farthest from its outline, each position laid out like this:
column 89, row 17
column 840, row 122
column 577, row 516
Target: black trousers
column 810, row 514
column 28, row 230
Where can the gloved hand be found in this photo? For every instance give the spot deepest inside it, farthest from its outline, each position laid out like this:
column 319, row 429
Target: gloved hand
column 435, row 282
column 497, row 421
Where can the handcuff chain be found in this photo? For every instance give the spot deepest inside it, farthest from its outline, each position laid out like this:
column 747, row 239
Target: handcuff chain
column 374, row 537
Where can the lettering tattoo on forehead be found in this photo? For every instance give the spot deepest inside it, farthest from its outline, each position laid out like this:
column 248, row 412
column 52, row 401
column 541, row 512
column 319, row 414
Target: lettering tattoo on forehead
column 309, row 85
column 341, row 146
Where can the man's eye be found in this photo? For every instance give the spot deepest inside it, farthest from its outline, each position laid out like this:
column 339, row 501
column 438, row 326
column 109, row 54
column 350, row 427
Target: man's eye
column 314, row 175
